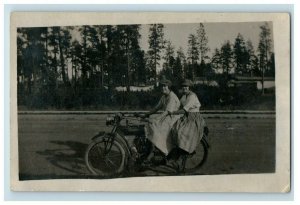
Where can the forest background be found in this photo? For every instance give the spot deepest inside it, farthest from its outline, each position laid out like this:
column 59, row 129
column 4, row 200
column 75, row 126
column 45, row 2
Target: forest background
column 106, row 67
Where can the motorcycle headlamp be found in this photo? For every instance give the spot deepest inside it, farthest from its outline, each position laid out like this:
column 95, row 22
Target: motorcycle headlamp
column 110, row 120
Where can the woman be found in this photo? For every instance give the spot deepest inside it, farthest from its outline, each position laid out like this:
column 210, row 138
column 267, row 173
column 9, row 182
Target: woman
column 159, row 127
column 188, row 130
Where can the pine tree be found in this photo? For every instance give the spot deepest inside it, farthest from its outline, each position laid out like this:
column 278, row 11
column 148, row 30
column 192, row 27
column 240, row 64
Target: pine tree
column 264, row 48
column 202, row 42
column 32, row 53
column 182, row 68
column 156, row 44
column 216, row 61
column 227, row 58
column 84, row 51
column 193, row 54
column 75, row 51
column 131, row 40
column 240, row 55
column 63, row 37
column 252, row 66
column 169, row 60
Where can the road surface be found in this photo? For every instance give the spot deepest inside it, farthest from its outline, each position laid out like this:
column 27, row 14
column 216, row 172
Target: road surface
column 53, row 146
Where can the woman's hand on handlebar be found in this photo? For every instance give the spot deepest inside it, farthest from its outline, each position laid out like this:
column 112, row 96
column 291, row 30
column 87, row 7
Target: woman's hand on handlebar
column 141, row 115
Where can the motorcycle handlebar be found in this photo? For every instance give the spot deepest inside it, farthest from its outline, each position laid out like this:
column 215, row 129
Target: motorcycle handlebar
column 120, row 116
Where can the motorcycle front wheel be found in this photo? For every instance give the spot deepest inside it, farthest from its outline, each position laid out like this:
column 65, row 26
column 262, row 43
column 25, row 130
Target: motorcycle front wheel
column 106, row 156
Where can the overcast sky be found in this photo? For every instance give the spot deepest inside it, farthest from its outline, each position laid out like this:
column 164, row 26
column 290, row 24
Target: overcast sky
column 217, row 34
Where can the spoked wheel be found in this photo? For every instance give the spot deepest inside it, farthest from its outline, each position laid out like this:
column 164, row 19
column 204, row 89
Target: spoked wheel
column 106, row 156
column 195, row 160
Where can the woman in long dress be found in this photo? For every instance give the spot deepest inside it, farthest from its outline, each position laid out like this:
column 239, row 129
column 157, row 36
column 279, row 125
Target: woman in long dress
column 188, row 130
column 159, row 127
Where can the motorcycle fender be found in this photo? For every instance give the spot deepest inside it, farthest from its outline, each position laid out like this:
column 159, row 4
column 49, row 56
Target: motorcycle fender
column 121, row 137
column 205, row 141
column 100, row 134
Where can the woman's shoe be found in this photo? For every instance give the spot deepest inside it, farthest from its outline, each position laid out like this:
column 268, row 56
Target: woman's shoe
column 181, row 164
column 146, row 163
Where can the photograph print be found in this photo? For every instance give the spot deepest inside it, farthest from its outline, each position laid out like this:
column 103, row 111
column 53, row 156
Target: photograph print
column 110, row 101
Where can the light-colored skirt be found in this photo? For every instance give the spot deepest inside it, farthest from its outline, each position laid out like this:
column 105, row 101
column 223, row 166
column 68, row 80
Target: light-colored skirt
column 158, row 131
column 188, row 131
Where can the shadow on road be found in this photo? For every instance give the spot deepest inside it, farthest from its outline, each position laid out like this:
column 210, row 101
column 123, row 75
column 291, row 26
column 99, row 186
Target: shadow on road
column 69, row 158
column 67, row 162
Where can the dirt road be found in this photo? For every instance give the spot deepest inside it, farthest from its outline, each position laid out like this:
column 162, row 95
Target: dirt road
column 53, row 146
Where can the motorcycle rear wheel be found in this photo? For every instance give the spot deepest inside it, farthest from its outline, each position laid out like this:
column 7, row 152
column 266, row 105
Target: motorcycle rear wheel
column 195, row 160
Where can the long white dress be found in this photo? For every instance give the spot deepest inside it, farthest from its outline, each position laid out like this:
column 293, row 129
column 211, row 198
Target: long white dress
column 188, row 130
column 158, row 130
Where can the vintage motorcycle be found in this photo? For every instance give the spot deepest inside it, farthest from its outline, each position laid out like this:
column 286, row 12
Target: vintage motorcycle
column 126, row 147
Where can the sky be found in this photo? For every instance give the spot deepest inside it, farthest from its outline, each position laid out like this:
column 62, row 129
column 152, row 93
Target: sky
column 217, row 34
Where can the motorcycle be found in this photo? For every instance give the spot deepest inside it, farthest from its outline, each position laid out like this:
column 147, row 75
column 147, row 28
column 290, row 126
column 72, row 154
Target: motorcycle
column 126, row 147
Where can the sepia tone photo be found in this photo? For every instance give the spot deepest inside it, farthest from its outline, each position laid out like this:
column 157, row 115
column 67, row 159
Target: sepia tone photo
column 155, row 100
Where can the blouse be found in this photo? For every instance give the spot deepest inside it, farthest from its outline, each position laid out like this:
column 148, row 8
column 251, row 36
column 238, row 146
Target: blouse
column 168, row 102
column 190, row 102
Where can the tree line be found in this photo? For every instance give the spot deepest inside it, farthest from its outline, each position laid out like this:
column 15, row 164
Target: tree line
column 71, row 61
